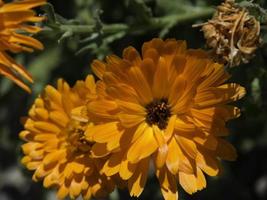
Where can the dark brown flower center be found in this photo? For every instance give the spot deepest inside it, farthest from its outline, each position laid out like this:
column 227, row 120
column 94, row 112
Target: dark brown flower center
column 158, row 113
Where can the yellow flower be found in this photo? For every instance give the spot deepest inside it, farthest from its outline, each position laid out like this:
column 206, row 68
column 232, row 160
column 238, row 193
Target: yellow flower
column 55, row 147
column 167, row 106
column 13, row 18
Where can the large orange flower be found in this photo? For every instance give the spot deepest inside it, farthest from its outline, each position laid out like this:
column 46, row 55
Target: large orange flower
column 167, row 106
column 13, row 18
column 55, row 146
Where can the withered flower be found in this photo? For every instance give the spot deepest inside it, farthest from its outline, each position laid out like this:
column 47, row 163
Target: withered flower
column 232, row 34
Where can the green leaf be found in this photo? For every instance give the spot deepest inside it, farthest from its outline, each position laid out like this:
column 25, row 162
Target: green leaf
column 42, row 65
column 50, row 13
column 142, row 12
column 256, row 90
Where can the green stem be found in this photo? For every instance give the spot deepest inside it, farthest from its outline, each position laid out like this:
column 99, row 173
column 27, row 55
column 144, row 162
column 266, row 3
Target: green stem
column 81, row 29
column 185, row 17
column 156, row 23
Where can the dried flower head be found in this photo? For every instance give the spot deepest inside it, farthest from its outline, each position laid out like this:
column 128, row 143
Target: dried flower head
column 232, row 33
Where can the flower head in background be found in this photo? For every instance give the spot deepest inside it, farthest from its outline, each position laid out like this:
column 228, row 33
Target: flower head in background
column 168, row 106
column 232, row 34
column 55, row 146
column 14, row 22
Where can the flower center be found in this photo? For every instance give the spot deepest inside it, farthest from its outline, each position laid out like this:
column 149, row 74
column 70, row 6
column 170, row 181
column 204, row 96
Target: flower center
column 75, row 136
column 158, row 113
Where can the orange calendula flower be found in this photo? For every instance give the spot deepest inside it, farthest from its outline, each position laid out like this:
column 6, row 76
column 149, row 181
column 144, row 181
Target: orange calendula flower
column 13, row 19
column 168, row 106
column 55, row 146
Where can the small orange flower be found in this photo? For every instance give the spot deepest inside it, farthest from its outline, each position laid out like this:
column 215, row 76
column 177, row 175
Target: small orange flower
column 55, row 146
column 13, row 18
column 167, row 106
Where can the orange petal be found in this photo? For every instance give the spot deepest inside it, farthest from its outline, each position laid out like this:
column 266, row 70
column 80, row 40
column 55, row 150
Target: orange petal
column 225, row 150
column 140, row 84
column 132, row 55
column 160, row 83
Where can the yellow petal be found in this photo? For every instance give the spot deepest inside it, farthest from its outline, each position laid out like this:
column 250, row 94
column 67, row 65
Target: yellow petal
column 140, row 84
column 161, row 154
column 112, row 165
column 177, row 90
column 103, row 133
column 160, row 83
column 132, row 55
column 137, row 182
column 139, row 131
column 173, row 158
column 102, row 108
column 13, row 77
column 181, row 125
column 131, row 108
column 75, row 189
column 169, row 132
column 53, row 94
column 220, row 95
column 167, row 184
column 216, row 77
column 26, row 40
column 123, row 92
column 59, row 118
column 206, row 141
column 177, row 66
column 127, row 169
column 148, row 68
column 98, row 68
column 46, row 126
column 99, row 150
column 62, row 192
column 201, row 180
column 143, row 147
column 188, row 182
column 188, row 146
column 192, row 182
column 129, row 121
column 207, row 163
column 52, row 157
column 21, row 5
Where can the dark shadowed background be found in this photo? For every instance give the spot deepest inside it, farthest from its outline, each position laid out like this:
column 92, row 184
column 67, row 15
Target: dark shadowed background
column 69, row 58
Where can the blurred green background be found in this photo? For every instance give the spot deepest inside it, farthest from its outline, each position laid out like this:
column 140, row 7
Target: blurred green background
column 116, row 25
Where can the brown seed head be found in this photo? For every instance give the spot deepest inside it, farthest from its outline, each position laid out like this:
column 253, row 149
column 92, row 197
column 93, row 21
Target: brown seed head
column 232, row 34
